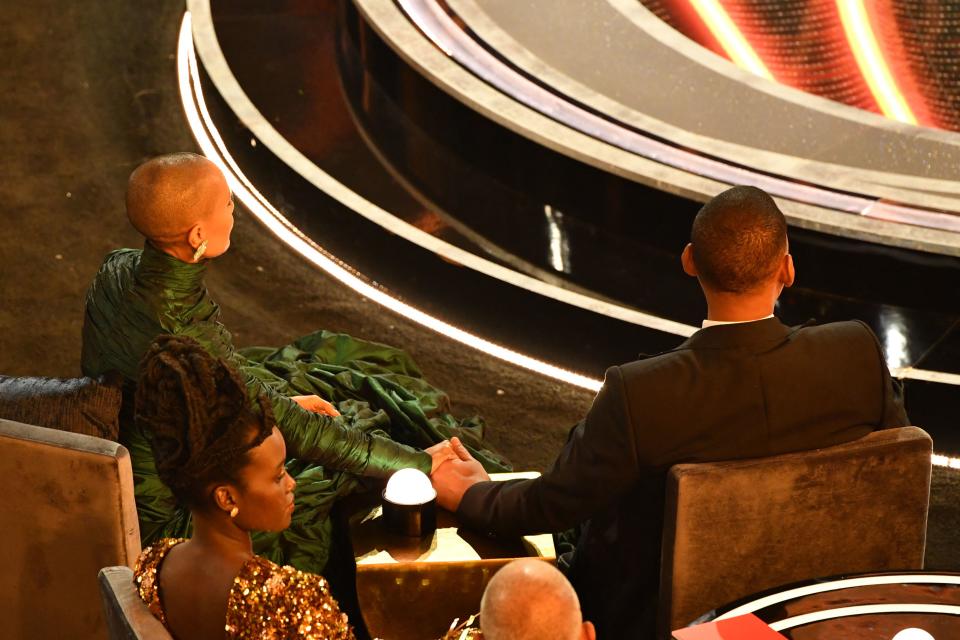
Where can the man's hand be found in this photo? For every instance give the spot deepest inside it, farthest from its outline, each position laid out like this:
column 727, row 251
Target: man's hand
column 316, row 404
column 451, row 480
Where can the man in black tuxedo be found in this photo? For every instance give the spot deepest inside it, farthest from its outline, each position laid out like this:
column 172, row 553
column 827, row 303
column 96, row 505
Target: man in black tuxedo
column 743, row 386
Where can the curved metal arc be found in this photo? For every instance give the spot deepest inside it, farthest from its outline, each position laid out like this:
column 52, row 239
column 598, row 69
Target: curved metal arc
column 863, row 610
column 447, row 33
column 228, row 86
column 837, row 585
column 805, row 205
column 214, row 148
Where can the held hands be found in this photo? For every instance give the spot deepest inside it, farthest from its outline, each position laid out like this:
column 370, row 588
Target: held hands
column 440, row 453
column 451, row 480
column 316, row 404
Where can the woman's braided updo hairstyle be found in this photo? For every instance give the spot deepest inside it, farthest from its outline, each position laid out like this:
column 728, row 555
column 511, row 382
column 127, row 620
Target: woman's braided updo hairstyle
column 194, row 409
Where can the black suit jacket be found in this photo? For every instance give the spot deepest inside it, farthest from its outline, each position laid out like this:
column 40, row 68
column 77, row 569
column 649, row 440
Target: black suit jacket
column 730, row 391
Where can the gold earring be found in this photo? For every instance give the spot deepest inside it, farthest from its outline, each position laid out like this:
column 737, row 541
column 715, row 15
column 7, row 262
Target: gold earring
column 200, row 251
column 234, row 512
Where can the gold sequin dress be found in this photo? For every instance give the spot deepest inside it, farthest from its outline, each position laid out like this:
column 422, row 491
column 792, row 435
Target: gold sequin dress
column 266, row 601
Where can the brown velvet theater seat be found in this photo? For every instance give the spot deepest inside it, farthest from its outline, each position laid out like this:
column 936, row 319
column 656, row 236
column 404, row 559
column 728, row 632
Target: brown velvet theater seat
column 66, row 511
column 732, row 529
column 128, row 618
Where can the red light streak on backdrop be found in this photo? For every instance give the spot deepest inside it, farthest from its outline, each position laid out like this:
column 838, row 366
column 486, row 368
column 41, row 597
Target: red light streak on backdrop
column 804, row 45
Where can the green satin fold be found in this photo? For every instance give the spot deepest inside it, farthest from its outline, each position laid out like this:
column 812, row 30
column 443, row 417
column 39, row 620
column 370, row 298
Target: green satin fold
column 339, row 367
column 387, row 407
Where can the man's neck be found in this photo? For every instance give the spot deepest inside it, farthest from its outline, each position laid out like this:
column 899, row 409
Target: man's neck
column 726, row 307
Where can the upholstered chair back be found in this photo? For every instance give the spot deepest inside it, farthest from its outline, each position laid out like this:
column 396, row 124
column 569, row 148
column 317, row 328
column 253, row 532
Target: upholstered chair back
column 128, row 618
column 732, row 529
column 66, row 511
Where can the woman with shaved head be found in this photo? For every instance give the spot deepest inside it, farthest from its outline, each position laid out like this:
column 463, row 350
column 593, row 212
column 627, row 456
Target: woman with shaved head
column 183, row 207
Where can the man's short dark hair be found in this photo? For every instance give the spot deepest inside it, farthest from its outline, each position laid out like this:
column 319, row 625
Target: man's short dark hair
column 738, row 240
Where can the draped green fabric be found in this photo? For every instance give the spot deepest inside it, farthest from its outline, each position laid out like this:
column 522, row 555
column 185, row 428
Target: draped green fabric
column 387, row 407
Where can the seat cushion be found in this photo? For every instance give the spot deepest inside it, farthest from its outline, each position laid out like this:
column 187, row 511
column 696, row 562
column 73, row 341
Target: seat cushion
column 736, row 528
column 79, row 405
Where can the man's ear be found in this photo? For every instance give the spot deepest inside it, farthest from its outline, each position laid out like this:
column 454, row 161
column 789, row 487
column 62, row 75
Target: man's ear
column 589, row 633
column 787, row 272
column 686, row 259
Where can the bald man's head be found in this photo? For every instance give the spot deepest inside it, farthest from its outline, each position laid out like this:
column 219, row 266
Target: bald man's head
column 530, row 599
column 170, row 197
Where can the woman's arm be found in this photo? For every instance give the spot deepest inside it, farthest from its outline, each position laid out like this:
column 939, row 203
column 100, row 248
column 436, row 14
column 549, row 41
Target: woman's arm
column 333, row 443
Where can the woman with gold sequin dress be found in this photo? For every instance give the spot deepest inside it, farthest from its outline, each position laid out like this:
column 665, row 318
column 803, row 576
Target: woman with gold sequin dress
column 225, row 459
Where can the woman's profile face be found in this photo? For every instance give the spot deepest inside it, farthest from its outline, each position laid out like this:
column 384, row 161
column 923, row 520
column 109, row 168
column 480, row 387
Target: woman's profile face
column 218, row 223
column 265, row 501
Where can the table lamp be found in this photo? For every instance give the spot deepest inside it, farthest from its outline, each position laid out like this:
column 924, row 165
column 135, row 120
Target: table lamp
column 410, row 504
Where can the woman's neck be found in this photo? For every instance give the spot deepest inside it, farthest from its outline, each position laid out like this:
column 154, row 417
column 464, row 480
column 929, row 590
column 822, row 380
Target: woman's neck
column 225, row 539
column 177, row 250
column 171, row 281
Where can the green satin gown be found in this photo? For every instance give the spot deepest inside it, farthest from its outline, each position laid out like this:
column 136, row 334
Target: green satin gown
column 387, row 407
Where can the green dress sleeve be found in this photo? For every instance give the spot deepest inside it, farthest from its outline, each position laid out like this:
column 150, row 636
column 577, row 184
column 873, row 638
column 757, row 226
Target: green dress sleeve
column 332, row 443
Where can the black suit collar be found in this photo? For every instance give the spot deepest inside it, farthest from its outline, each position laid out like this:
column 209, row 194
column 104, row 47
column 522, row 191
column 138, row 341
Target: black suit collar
column 756, row 336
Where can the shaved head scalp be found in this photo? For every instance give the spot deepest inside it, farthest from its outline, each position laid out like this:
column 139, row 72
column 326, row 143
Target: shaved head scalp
column 530, row 599
column 168, row 194
column 738, row 238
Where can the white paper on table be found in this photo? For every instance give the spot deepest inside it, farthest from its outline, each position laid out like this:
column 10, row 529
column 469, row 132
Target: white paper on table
column 540, row 545
column 376, row 556
column 515, row 475
column 447, row 546
column 373, row 514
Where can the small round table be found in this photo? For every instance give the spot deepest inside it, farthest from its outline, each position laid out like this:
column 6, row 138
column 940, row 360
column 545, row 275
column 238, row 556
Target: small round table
column 867, row 607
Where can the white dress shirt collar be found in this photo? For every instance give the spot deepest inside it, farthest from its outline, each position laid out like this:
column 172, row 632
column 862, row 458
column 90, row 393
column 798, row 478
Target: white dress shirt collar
column 717, row 323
